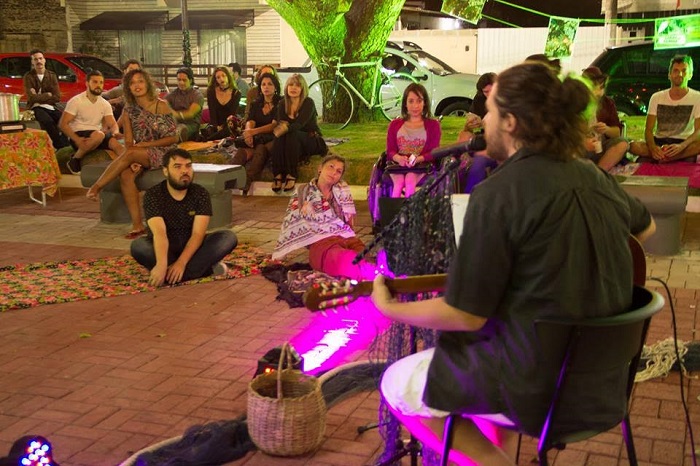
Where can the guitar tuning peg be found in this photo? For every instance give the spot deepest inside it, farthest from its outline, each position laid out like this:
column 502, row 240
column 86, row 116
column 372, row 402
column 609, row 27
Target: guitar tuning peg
column 346, row 307
column 324, row 313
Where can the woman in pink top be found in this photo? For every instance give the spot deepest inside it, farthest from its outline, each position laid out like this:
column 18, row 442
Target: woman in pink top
column 410, row 141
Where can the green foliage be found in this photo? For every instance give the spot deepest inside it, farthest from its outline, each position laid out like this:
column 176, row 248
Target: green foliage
column 186, row 48
column 351, row 30
column 468, row 10
column 560, row 39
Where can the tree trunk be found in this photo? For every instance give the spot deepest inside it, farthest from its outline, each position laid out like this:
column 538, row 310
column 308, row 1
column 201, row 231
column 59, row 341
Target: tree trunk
column 349, row 30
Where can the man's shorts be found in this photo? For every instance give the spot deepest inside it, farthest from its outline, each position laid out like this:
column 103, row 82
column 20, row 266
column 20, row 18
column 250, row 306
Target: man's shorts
column 403, row 384
column 85, row 134
column 607, row 144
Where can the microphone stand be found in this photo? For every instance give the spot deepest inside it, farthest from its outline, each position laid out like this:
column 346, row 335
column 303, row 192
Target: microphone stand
column 411, row 448
column 448, row 167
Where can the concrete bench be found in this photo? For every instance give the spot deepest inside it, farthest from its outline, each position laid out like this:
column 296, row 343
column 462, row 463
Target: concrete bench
column 217, row 179
column 666, row 198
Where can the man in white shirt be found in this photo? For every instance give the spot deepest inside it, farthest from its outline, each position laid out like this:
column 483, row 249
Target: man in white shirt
column 672, row 129
column 89, row 123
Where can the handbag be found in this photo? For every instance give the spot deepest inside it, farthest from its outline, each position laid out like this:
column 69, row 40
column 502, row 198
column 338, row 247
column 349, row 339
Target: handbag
column 286, row 410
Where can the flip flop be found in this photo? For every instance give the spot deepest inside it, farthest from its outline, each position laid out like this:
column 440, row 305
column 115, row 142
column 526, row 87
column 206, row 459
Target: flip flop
column 133, row 234
column 277, row 185
column 289, row 184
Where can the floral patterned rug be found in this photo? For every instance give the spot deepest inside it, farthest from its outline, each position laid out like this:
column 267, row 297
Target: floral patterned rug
column 28, row 285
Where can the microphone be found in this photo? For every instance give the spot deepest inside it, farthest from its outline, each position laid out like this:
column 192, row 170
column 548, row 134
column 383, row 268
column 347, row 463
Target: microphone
column 475, row 144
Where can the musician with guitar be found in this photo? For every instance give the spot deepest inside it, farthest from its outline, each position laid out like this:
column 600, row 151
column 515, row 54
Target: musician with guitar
column 545, row 235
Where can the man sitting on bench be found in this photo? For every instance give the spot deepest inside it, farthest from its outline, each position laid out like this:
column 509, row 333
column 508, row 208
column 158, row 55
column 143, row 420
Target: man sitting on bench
column 675, row 114
column 89, row 123
column 178, row 247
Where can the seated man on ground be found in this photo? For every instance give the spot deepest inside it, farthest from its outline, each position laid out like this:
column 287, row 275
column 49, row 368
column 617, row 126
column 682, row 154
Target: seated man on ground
column 89, row 123
column 178, row 247
column 605, row 144
column 320, row 216
column 514, row 265
column 187, row 104
column 672, row 130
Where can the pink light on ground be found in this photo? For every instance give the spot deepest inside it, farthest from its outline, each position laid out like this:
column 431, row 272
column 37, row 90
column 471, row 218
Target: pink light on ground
column 338, row 337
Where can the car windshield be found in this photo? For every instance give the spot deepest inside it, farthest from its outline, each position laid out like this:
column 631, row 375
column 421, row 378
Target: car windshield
column 434, row 64
column 107, row 70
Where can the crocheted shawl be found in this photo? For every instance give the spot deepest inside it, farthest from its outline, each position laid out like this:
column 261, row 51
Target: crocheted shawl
column 310, row 218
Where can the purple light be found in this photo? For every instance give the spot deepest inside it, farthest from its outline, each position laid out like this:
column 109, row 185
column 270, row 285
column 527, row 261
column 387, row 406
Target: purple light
column 338, row 337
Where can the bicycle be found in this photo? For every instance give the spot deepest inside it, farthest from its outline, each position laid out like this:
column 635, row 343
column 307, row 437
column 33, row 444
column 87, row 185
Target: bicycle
column 334, row 99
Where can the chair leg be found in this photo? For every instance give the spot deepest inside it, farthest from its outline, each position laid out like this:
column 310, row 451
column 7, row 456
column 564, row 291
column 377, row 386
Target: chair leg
column 629, row 440
column 447, row 435
column 517, row 450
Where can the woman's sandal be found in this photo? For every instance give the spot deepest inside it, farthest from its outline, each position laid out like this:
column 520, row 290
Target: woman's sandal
column 289, row 184
column 277, row 185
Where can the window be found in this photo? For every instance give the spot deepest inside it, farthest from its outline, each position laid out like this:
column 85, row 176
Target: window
column 62, row 70
column 86, row 63
column 15, row 67
column 144, row 46
column 222, row 46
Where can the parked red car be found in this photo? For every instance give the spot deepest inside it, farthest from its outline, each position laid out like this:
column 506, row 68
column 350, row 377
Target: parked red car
column 70, row 68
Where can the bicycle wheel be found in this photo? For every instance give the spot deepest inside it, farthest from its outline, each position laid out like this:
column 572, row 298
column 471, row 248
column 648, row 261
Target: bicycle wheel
column 391, row 94
column 334, row 103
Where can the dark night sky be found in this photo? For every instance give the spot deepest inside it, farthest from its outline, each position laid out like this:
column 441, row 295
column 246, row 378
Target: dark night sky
column 566, row 8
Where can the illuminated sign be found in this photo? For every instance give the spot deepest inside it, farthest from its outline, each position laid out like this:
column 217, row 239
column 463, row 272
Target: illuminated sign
column 677, row 31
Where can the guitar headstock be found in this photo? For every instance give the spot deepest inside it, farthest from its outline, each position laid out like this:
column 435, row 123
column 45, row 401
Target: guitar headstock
column 322, row 296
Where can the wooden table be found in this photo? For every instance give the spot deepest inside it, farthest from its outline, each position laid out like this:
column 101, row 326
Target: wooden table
column 27, row 158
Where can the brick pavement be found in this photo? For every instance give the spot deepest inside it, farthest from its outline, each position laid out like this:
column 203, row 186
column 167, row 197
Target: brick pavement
column 157, row 363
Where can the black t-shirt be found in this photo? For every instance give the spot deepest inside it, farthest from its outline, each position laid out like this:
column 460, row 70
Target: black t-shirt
column 304, row 121
column 540, row 238
column 177, row 215
column 257, row 115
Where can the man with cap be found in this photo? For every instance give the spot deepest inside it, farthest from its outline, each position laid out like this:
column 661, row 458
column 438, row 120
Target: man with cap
column 187, row 104
column 605, row 144
column 672, row 130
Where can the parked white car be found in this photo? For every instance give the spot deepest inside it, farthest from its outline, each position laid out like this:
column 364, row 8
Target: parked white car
column 450, row 91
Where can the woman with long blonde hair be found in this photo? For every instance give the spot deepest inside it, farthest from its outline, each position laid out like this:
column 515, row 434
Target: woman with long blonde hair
column 297, row 134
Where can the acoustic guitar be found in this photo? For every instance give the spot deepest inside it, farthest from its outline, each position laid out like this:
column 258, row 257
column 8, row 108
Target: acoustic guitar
column 320, row 297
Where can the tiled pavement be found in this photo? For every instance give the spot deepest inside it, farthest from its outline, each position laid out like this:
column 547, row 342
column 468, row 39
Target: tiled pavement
column 157, row 363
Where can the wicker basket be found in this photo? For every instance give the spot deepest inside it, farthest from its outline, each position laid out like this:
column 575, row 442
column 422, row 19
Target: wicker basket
column 286, row 410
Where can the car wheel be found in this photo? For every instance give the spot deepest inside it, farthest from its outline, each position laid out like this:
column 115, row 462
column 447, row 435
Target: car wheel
column 458, row 109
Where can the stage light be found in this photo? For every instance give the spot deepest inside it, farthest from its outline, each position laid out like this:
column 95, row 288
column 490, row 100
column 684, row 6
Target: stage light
column 270, row 361
column 30, row 450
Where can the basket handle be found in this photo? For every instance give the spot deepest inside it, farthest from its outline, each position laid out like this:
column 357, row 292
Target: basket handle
column 286, row 353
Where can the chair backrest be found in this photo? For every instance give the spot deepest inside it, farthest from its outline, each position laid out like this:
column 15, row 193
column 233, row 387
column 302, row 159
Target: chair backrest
column 596, row 360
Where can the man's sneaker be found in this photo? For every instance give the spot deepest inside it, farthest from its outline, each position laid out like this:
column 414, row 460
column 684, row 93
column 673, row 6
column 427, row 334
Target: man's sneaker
column 219, row 269
column 73, row 165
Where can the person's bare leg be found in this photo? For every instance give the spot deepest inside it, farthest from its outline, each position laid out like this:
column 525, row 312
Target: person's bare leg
column 469, row 446
column 412, row 180
column 613, row 155
column 118, row 165
column 94, row 140
column 640, row 148
column 398, row 183
column 130, row 193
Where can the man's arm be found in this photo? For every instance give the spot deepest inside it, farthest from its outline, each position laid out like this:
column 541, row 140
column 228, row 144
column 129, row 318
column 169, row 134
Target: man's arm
column 677, row 151
column 431, row 313
column 64, row 126
column 654, row 150
column 193, row 110
column 111, row 125
column 199, row 230
column 160, row 246
column 647, row 232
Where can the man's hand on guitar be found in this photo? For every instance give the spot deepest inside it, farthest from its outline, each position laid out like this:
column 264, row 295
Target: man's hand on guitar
column 381, row 296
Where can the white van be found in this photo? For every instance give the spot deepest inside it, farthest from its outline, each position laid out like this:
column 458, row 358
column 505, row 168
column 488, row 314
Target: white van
column 450, row 91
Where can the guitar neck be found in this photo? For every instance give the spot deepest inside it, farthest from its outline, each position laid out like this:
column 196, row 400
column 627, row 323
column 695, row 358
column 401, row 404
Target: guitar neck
column 417, row 284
